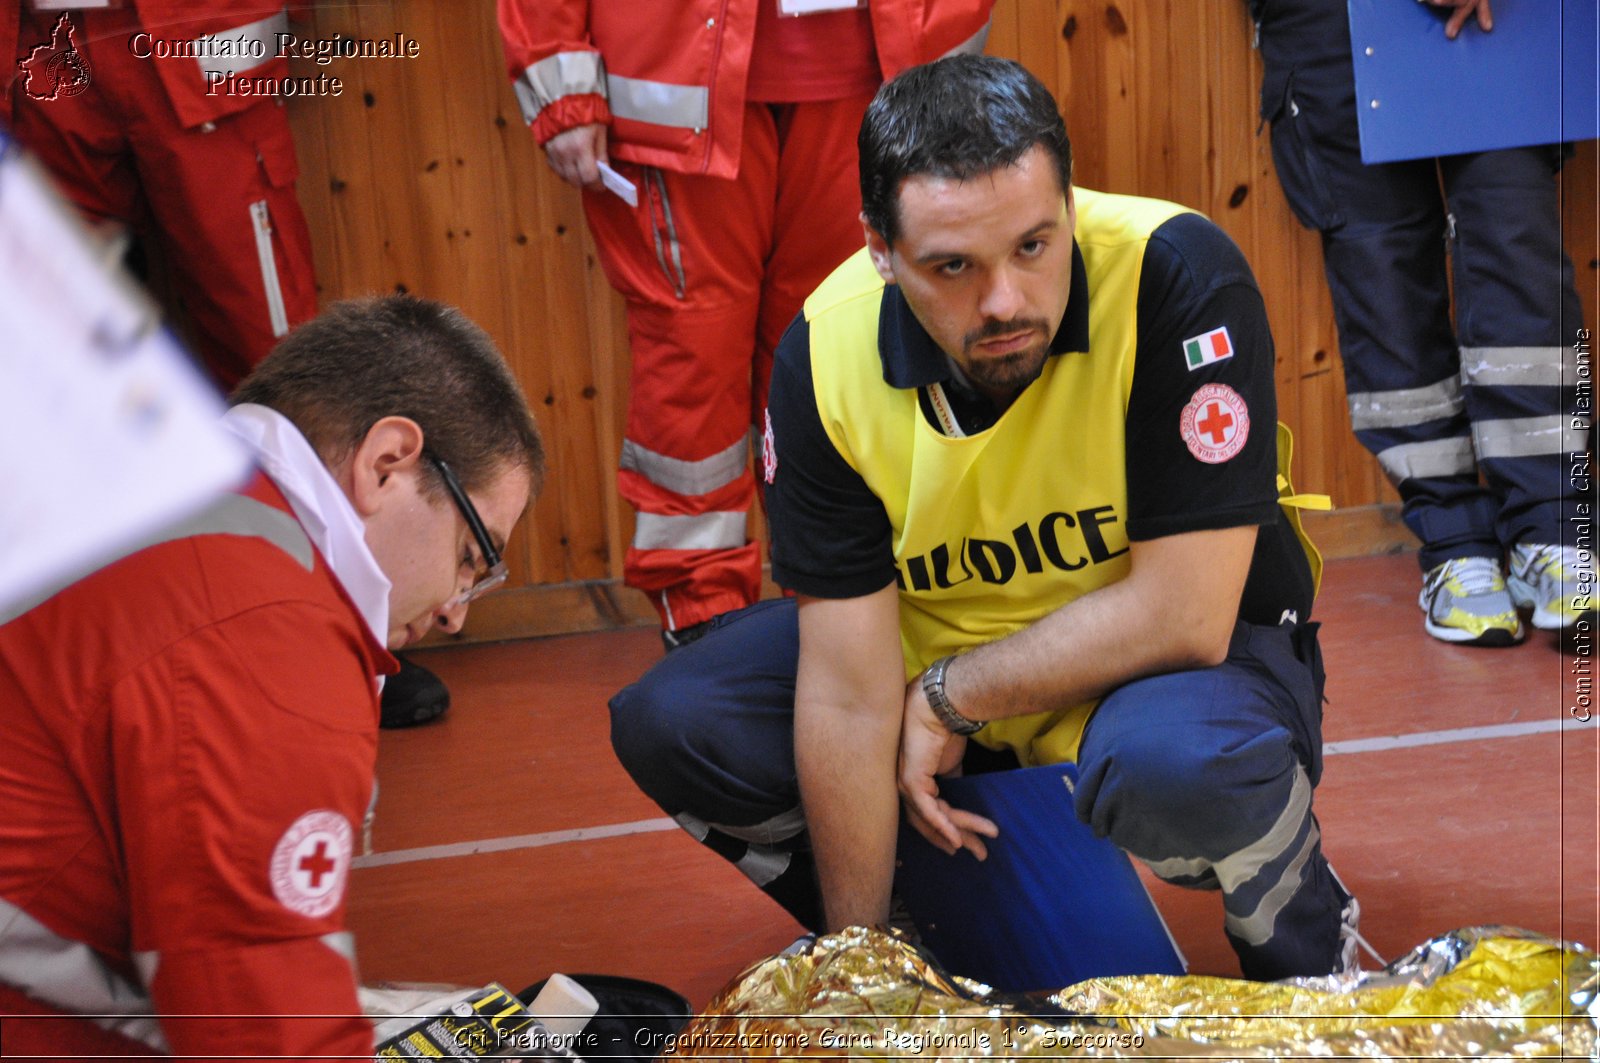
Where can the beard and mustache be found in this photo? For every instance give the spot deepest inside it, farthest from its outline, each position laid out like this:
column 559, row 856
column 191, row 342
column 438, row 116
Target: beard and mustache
column 1012, row 370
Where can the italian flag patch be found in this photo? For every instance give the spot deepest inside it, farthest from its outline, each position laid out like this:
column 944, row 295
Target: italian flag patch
column 1208, row 347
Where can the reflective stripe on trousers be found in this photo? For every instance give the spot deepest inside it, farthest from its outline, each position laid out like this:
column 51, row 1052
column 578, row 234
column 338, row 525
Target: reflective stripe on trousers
column 687, row 477
column 1258, row 879
column 704, row 531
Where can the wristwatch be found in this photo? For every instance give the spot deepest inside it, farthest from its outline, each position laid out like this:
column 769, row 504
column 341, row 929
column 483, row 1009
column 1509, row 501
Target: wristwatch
column 933, row 690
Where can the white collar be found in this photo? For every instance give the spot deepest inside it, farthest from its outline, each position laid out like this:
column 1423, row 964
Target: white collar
column 320, row 505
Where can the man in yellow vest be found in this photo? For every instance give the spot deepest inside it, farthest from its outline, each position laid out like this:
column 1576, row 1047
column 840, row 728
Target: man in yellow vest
column 1021, row 466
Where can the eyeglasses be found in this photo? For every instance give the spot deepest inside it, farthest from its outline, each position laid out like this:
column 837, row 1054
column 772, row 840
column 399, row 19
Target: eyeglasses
column 493, row 573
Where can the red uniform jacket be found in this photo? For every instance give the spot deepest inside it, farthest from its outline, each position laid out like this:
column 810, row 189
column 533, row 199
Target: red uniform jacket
column 190, row 735
column 670, row 77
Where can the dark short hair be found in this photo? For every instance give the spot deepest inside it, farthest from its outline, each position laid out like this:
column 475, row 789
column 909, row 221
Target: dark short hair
column 959, row 117
column 399, row 356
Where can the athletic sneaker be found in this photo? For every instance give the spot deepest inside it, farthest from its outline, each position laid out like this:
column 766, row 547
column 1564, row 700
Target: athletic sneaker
column 1350, row 940
column 1556, row 582
column 1465, row 600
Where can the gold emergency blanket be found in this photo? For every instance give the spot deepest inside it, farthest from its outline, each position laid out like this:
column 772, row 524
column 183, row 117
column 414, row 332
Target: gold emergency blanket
column 1481, row 992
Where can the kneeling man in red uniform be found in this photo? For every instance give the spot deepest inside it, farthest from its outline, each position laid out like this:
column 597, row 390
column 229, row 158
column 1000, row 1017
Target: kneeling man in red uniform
column 191, row 730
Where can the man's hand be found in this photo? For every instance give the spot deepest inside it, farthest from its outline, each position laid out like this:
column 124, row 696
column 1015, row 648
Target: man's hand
column 847, row 706
column 928, row 750
column 573, row 155
column 1465, row 9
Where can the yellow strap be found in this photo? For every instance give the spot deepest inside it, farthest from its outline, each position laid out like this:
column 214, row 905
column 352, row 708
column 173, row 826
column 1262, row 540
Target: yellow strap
column 1294, row 503
column 1300, row 501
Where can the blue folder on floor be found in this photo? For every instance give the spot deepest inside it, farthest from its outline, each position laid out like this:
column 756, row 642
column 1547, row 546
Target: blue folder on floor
column 1531, row 80
column 1052, row 905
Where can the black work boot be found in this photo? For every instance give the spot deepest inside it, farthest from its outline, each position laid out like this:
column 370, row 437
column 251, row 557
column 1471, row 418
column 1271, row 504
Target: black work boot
column 411, row 696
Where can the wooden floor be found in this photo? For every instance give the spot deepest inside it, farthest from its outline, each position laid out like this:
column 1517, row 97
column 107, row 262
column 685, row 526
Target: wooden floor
column 510, row 844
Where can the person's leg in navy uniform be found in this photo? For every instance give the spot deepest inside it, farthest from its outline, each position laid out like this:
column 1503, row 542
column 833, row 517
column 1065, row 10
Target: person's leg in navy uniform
column 708, row 734
column 1206, row 774
column 1383, row 237
column 1518, row 320
column 1207, row 777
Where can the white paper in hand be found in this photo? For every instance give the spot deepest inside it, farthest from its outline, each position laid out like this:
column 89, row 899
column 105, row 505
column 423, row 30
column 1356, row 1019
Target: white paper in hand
column 619, row 184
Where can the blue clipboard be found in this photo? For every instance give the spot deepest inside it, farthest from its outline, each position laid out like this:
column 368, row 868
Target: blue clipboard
column 1051, row 906
column 1531, row 80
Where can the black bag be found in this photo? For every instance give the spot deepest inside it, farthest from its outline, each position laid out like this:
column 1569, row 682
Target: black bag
column 635, row 1021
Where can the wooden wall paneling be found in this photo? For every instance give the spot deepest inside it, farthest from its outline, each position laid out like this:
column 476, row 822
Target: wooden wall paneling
column 479, row 111
column 1035, row 41
column 613, row 366
column 484, row 274
column 1176, row 103
column 1336, row 463
column 343, row 193
column 574, row 544
column 405, row 252
column 1317, row 436
column 403, row 127
column 460, row 224
column 1120, row 150
column 1232, row 86
column 545, row 303
column 1004, row 27
column 1094, row 99
column 311, row 149
column 581, row 472
column 1116, row 151
column 1138, row 135
column 1076, row 69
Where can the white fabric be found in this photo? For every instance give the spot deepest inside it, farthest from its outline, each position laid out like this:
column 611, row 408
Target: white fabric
column 320, row 504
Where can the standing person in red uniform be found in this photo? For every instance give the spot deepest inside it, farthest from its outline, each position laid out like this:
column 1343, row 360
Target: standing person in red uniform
column 736, row 122
column 114, row 102
column 137, row 139
column 191, row 730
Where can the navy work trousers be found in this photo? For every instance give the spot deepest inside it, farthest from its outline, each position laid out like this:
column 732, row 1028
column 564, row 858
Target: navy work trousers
column 1436, row 402
column 1205, row 775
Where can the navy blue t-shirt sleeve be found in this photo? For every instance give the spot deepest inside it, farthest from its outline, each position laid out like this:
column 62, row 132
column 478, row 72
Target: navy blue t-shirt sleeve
column 1202, row 414
column 830, row 535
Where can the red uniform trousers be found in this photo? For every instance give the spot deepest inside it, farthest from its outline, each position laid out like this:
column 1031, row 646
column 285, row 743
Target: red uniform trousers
column 713, row 271
column 218, row 199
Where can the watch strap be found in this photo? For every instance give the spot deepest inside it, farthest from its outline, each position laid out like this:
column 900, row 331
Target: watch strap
column 933, row 690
